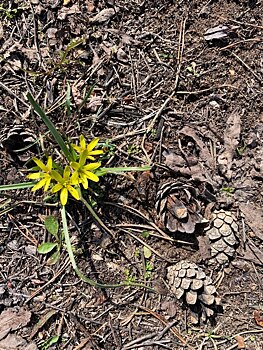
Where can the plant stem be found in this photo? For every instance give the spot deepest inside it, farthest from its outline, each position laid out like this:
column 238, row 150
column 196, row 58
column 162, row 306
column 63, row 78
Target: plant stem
column 96, row 217
column 79, row 273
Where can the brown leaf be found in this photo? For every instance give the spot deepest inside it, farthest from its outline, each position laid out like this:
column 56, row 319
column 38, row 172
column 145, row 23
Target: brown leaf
column 258, row 317
column 254, row 218
column 204, row 247
column 11, row 319
column 103, row 15
column 65, row 11
column 252, row 253
column 190, row 168
column 240, row 342
column 205, row 155
column 231, row 141
column 15, row 342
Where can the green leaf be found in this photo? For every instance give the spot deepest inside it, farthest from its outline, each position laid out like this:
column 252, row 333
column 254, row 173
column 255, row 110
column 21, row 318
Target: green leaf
column 52, row 225
column 57, row 136
column 17, row 186
column 54, row 258
column 46, row 247
column 103, row 171
column 147, row 252
column 145, row 234
column 46, row 344
column 86, row 97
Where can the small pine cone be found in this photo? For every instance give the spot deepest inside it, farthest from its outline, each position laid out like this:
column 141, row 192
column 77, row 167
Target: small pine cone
column 222, row 235
column 190, row 283
column 178, row 208
column 17, row 139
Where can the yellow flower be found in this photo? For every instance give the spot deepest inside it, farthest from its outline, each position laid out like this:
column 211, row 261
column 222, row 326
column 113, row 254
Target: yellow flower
column 88, row 148
column 64, row 185
column 44, row 174
column 84, row 172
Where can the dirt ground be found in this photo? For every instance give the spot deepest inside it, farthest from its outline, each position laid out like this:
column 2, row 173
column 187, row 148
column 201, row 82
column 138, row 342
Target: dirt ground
column 175, row 84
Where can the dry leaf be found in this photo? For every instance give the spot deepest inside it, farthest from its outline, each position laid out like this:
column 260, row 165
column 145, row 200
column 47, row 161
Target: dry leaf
column 204, row 247
column 258, row 317
column 122, row 55
column 11, row 319
column 103, row 15
column 66, row 2
column 125, row 38
column 65, row 11
column 252, row 253
column 253, row 217
column 231, row 141
column 205, row 155
column 191, row 168
column 15, row 342
column 240, row 342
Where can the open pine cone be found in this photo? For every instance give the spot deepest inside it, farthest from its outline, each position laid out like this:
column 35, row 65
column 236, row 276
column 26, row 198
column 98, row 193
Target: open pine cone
column 18, row 139
column 190, row 283
column 178, row 208
column 222, row 235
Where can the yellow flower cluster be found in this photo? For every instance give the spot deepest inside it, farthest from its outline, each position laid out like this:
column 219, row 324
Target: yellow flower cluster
column 75, row 174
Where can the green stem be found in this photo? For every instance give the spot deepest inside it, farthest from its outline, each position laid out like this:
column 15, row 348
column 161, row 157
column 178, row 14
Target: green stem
column 103, row 171
column 96, row 217
column 79, row 273
column 17, row 186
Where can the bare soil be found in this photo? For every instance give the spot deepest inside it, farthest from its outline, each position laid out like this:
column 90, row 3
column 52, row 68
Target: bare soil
column 164, row 93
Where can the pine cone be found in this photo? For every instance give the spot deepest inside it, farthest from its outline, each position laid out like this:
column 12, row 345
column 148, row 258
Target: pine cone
column 222, row 235
column 17, row 140
column 190, row 283
column 178, row 208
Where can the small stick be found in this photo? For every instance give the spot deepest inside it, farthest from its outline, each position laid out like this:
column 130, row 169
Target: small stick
column 245, row 65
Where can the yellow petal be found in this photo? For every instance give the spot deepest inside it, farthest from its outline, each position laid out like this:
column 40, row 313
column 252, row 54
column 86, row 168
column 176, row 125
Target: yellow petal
column 82, row 142
column 40, row 184
column 74, row 178
column 90, row 157
column 91, row 176
column 56, row 176
column 74, row 165
column 77, row 148
column 74, row 193
column 56, row 188
column 64, row 196
column 84, row 181
column 49, row 163
column 92, row 144
column 92, row 166
column 83, row 157
column 47, row 184
column 96, row 152
column 35, row 176
column 66, row 173
column 40, row 164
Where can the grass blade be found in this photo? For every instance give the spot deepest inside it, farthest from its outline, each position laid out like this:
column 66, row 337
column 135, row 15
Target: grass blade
column 103, row 171
column 17, row 186
column 57, row 136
